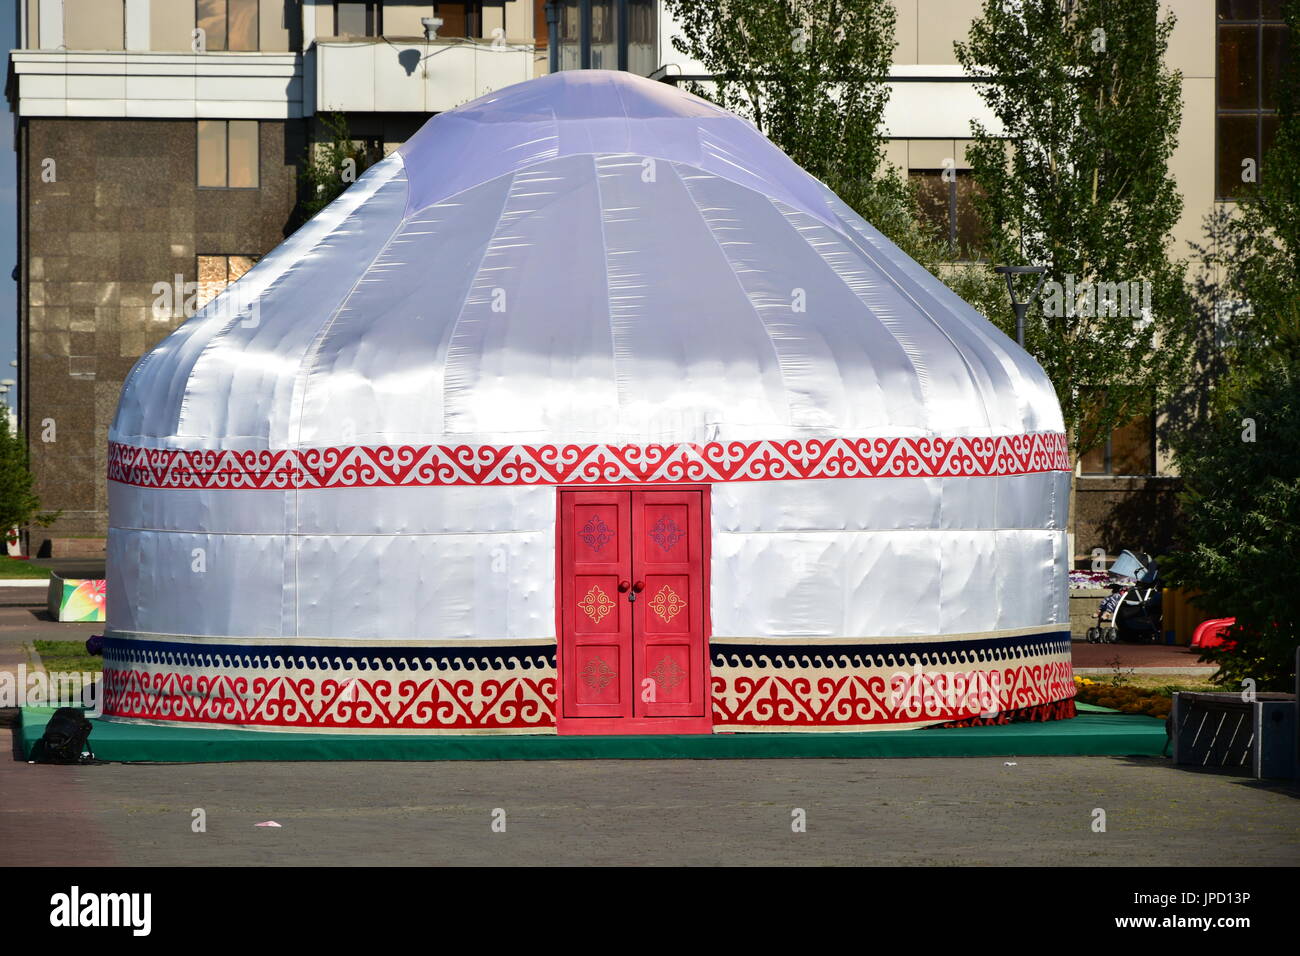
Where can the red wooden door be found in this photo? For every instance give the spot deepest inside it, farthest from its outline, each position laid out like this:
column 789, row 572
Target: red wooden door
column 668, row 615
column 633, row 612
column 595, row 562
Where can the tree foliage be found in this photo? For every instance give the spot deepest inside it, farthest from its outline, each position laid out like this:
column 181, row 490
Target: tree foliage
column 1241, row 508
column 808, row 73
column 19, row 504
column 1239, row 455
column 331, row 166
column 1077, row 180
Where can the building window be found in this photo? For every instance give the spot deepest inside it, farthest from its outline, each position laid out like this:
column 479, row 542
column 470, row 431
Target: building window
column 604, row 35
column 570, row 35
column 227, row 24
column 1128, row 450
column 1252, row 55
column 228, row 154
column 359, row 19
column 642, row 37
column 947, row 205
column 464, row 20
column 217, row 272
column 609, row 35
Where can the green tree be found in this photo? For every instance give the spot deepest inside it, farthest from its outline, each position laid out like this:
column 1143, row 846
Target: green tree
column 1238, row 449
column 1077, row 180
column 19, row 505
column 808, row 73
column 331, row 166
column 1241, row 513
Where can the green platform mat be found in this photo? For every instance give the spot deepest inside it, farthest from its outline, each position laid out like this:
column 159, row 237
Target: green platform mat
column 1083, row 708
column 1090, row 735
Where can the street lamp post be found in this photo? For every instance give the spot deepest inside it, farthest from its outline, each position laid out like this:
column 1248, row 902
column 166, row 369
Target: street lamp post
column 1022, row 308
column 553, row 35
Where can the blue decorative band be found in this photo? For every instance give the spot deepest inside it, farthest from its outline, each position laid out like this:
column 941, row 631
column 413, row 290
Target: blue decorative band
column 931, row 653
column 282, row 657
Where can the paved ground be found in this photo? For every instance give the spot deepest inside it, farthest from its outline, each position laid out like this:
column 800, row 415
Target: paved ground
column 27, row 620
column 937, row 811
column 1137, row 656
column 22, row 624
column 962, row 811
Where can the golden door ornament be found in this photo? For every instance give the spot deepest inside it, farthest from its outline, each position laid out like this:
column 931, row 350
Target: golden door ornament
column 667, row 604
column 596, row 604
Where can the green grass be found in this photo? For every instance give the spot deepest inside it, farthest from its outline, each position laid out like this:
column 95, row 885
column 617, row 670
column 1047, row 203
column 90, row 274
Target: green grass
column 13, row 568
column 1163, row 684
column 68, row 656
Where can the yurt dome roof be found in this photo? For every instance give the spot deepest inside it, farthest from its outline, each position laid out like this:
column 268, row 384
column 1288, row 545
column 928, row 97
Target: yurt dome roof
column 586, row 256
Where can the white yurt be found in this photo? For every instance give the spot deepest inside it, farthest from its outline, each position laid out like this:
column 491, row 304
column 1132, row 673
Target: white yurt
column 587, row 411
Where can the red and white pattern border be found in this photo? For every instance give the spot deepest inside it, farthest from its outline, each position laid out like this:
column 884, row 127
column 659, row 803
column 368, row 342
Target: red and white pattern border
column 515, row 690
column 845, row 699
column 765, row 699
column 360, row 466
column 295, row 702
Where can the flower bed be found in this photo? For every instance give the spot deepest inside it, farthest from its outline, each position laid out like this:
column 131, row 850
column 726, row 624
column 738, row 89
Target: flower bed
column 1080, row 580
column 1127, row 700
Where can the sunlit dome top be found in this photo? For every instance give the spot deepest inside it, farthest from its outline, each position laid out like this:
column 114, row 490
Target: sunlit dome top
column 586, row 256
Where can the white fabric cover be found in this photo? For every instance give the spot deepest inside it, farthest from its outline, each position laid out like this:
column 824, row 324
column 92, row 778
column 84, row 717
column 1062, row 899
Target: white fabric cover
column 586, row 257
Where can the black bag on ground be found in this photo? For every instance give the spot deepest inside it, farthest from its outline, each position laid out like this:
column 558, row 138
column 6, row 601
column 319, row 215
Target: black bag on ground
column 66, row 737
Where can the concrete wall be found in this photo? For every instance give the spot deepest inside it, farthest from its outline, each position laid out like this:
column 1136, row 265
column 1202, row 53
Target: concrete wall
column 123, row 214
column 520, row 21
column 939, row 24
column 324, row 18
column 1118, row 513
column 1192, row 51
column 171, row 26
column 402, row 18
column 279, row 22
column 94, row 24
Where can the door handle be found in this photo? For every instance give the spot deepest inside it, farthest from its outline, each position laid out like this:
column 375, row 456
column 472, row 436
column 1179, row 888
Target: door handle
column 623, row 586
column 636, row 589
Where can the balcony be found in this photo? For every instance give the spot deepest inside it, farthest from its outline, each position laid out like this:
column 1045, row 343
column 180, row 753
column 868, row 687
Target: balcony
column 392, row 75
column 128, row 84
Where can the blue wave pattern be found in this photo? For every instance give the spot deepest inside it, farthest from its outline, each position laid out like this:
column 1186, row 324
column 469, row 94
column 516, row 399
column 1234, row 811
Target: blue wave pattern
column 283, row 657
column 931, row 654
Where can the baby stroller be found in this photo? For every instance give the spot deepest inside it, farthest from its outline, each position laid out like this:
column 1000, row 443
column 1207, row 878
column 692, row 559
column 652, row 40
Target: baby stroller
column 1133, row 610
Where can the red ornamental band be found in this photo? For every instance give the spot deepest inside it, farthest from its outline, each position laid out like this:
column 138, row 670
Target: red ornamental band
column 527, row 704
column 363, row 466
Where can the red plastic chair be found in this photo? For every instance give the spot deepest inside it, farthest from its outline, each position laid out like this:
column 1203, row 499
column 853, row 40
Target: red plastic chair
column 1211, row 633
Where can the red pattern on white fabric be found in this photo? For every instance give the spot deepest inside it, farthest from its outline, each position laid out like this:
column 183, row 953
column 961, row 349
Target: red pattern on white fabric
column 749, row 697
column 800, row 700
column 356, row 466
column 391, row 701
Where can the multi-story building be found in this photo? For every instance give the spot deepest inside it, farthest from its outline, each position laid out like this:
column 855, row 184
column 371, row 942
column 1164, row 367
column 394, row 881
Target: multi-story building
column 159, row 144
